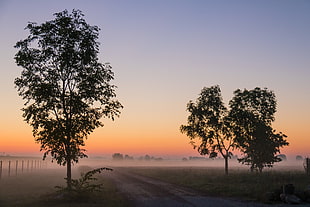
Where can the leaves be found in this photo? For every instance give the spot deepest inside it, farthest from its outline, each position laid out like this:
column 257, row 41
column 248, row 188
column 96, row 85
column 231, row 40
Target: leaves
column 213, row 128
column 66, row 90
column 83, row 186
column 251, row 115
column 207, row 122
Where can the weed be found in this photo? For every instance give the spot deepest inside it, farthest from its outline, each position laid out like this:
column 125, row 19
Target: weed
column 83, row 187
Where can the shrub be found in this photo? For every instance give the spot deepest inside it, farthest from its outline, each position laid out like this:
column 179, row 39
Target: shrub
column 83, row 187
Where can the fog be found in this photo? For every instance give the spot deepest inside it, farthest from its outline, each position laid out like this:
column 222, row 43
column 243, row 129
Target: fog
column 17, row 166
column 94, row 162
column 26, row 179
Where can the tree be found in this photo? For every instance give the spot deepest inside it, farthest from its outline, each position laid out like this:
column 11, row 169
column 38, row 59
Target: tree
column 299, row 157
column 147, row 157
column 209, row 125
column 65, row 87
column 117, row 156
column 252, row 113
column 127, row 157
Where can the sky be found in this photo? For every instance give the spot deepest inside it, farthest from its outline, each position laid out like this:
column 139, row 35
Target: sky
column 163, row 53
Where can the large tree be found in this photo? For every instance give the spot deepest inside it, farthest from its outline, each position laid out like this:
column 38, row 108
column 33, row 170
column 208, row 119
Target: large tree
column 208, row 125
column 252, row 113
column 65, row 87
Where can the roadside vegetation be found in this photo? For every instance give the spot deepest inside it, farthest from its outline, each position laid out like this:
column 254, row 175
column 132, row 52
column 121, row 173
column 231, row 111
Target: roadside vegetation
column 239, row 184
column 38, row 189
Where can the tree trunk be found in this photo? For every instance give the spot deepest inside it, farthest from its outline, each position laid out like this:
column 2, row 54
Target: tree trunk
column 226, row 164
column 252, row 168
column 69, row 178
column 226, row 157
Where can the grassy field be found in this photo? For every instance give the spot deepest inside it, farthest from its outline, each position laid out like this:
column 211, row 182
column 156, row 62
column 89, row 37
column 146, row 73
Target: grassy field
column 38, row 189
column 238, row 184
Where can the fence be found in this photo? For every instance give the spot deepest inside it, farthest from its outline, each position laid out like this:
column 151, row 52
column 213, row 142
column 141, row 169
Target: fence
column 15, row 167
column 307, row 165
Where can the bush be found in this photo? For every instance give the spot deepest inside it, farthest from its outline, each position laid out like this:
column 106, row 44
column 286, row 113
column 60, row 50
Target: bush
column 83, row 187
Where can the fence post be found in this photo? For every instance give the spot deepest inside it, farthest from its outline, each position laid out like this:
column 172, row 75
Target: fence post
column 16, row 167
column 0, row 169
column 22, row 166
column 9, row 167
column 307, row 165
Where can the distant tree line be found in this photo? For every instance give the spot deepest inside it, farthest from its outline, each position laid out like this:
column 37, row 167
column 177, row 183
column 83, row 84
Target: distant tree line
column 194, row 158
column 119, row 156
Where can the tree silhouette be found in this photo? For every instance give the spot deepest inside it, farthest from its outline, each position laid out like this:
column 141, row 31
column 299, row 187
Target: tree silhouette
column 252, row 113
column 209, row 123
column 299, row 157
column 117, row 156
column 65, row 87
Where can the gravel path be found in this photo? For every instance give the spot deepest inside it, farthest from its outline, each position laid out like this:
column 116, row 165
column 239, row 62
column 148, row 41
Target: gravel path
column 143, row 191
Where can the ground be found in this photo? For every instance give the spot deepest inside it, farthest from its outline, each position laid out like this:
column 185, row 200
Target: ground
column 142, row 191
column 124, row 187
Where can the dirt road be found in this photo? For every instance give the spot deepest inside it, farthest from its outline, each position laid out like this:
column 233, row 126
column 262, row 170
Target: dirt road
column 143, row 191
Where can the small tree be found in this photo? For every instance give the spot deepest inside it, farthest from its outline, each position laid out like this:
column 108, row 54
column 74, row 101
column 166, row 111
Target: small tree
column 209, row 125
column 84, row 186
column 299, row 157
column 66, row 89
column 127, row 157
column 251, row 115
column 117, row 156
column 147, row 157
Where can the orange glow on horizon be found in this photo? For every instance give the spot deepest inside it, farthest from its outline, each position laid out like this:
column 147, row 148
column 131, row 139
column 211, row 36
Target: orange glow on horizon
column 130, row 139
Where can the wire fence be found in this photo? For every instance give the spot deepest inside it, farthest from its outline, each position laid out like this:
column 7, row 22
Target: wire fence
column 15, row 167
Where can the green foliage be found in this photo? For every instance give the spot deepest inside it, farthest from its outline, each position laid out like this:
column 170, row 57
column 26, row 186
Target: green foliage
column 82, row 187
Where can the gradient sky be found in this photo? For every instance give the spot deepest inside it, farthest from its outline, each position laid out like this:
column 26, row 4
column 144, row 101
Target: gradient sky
column 163, row 53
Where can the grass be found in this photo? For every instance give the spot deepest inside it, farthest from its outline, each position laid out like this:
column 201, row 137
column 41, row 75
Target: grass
column 38, row 189
column 238, row 184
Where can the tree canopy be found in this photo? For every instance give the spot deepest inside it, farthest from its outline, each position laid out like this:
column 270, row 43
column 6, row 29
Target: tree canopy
column 65, row 87
column 252, row 113
column 209, row 123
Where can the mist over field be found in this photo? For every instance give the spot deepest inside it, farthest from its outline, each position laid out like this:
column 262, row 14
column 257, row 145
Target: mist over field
column 14, row 166
column 32, row 185
column 199, row 161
